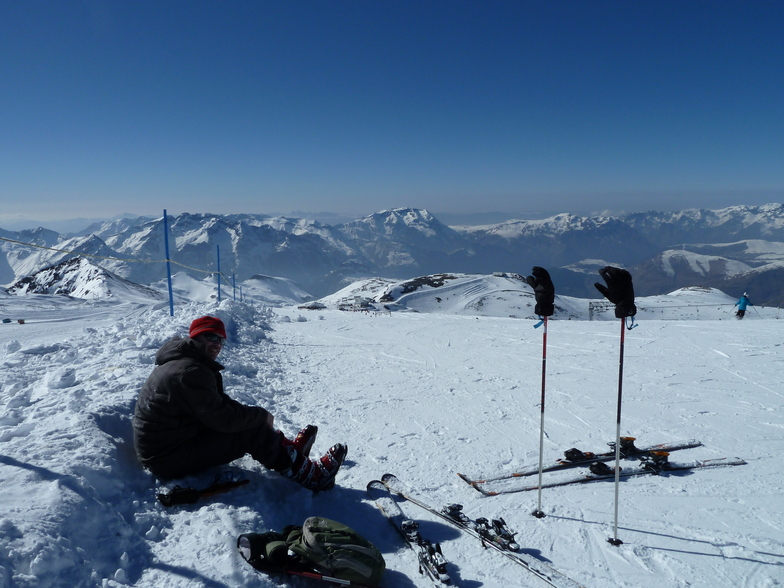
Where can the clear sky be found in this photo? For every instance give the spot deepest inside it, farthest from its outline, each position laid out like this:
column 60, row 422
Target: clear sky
column 351, row 106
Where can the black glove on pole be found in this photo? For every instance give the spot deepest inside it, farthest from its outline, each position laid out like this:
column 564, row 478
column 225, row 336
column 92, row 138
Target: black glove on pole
column 543, row 291
column 620, row 292
column 545, row 295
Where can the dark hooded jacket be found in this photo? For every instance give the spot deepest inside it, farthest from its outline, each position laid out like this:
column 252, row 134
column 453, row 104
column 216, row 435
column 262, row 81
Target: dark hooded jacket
column 183, row 398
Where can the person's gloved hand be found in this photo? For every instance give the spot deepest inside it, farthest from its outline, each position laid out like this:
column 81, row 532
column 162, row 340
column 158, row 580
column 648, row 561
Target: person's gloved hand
column 543, row 291
column 619, row 290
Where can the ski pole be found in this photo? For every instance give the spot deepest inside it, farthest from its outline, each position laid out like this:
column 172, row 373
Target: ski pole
column 538, row 512
column 322, row 577
column 614, row 539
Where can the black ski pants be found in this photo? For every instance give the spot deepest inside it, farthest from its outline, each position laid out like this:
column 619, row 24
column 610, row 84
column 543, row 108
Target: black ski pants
column 212, row 448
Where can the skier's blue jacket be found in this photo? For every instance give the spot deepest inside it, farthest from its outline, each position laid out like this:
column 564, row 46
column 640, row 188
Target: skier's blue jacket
column 743, row 303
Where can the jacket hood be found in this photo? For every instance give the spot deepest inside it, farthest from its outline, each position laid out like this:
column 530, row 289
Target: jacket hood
column 183, row 348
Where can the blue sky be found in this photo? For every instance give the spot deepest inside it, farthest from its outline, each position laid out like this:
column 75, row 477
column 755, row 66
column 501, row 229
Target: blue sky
column 356, row 106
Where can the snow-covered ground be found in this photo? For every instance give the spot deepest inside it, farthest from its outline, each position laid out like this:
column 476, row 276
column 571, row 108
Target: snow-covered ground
column 423, row 395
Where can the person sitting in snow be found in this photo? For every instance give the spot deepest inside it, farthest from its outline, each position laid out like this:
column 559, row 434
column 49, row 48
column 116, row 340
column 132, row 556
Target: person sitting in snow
column 742, row 304
column 185, row 423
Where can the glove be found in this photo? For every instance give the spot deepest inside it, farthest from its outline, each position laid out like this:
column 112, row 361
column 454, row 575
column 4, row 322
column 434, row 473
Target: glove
column 543, row 291
column 619, row 290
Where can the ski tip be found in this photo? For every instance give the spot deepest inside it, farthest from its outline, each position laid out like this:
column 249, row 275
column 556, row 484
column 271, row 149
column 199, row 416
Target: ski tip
column 475, row 484
column 470, row 481
column 483, row 491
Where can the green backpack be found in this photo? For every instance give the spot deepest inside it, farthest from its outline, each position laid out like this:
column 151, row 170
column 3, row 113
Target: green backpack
column 337, row 549
column 330, row 547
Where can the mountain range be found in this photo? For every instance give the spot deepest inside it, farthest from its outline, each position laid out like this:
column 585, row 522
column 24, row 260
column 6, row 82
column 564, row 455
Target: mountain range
column 734, row 249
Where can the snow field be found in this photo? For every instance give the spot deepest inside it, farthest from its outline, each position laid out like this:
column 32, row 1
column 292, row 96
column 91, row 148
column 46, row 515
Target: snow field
column 420, row 395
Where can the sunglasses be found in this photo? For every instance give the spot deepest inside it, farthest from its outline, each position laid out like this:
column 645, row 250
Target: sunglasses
column 213, row 338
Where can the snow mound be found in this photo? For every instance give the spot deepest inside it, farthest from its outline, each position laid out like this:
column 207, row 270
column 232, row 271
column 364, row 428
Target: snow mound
column 85, row 512
column 497, row 295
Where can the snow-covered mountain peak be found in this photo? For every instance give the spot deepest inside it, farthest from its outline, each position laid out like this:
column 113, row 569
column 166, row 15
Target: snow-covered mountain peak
column 408, row 225
column 117, row 226
column 702, row 265
column 77, row 277
column 393, row 220
column 743, row 220
column 553, row 225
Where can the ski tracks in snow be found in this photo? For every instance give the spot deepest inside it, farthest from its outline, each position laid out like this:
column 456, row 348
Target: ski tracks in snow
column 419, row 396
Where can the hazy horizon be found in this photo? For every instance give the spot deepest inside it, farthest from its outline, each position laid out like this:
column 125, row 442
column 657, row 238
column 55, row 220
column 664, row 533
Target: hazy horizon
column 75, row 225
column 459, row 108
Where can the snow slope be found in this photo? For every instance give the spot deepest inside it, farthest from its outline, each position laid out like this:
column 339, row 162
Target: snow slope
column 508, row 295
column 272, row 291
column 423, row 395
column 80, row 278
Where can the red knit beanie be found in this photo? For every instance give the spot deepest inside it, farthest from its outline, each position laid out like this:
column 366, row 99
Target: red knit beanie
column 207, row 324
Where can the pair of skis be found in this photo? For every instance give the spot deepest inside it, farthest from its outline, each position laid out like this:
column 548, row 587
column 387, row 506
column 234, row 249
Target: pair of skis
column 653, row 460
column 432, row 562
column 382, row 492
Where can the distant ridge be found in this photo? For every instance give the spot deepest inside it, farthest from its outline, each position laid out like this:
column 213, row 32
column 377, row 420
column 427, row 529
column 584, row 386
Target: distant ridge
column 732, row 249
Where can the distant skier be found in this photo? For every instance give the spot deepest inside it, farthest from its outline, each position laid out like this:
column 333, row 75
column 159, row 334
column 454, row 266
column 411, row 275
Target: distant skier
column 185, row 423
column 742, row 304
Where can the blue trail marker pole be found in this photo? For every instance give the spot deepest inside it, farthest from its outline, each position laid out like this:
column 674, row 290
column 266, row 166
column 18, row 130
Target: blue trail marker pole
column 219, row 274
column 168, row 265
